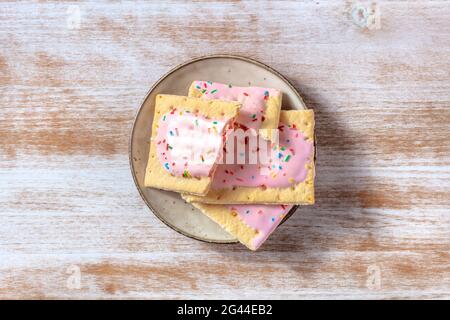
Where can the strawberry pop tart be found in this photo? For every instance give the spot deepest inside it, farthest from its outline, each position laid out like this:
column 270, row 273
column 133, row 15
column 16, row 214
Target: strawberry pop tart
column 250, row 224
column 187, row 139
column 260, row 106
column 287, row 178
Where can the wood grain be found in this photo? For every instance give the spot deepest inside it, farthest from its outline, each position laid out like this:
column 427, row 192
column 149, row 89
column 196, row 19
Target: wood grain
column 68, row 96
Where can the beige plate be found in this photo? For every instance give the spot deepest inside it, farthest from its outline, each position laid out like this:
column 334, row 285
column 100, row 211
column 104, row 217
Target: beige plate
column 239, row 71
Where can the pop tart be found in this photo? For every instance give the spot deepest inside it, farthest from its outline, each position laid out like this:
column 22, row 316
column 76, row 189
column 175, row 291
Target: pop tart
column 250, row 224
column 260, row 106
column 187, row 139
column 286, row 178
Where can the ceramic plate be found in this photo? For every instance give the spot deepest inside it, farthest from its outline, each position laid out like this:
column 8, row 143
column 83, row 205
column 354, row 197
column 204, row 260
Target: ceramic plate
column 239, row 71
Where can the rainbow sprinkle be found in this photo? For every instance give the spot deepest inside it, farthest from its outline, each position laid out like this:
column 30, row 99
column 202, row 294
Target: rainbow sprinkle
column 186, row 174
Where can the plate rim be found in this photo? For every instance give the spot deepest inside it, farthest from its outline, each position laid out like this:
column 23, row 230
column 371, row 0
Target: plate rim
column 144, row 100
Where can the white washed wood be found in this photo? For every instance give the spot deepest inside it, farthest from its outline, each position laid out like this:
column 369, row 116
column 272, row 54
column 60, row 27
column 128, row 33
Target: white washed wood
column 67, row 101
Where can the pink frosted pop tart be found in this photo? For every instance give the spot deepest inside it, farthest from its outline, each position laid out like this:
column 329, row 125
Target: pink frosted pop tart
column 286, row 178
column 260, row 106
column 250, row 224
column 187, row 139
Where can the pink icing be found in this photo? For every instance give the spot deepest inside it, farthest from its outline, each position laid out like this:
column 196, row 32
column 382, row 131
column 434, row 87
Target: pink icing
column 253, row 100
column 263, row 218
column 189, row 144
column 286, row 166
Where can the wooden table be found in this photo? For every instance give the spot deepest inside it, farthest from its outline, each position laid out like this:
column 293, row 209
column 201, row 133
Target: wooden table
column 72, row 76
